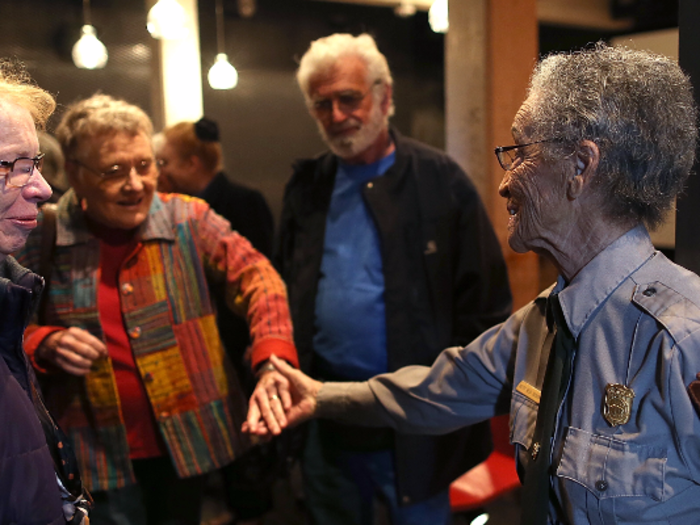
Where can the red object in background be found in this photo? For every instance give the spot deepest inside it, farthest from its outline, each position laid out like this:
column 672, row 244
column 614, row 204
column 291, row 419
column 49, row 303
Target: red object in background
column 488, row 480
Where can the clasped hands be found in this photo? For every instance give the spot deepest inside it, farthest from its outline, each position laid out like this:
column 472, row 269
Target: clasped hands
column 283, row 397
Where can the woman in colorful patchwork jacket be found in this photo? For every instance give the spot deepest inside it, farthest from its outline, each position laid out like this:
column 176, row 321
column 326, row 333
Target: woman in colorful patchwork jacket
column 127, row 346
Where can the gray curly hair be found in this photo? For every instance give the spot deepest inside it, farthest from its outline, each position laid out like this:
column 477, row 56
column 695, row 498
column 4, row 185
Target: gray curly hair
column 637, row 107
column 96, row 115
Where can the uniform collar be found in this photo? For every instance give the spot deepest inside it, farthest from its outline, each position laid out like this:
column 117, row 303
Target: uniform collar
column 602, row 276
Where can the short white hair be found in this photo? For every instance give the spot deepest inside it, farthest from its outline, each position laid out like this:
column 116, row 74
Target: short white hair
column 325, row 52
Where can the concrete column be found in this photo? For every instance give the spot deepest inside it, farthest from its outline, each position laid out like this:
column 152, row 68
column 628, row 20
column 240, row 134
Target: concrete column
column 177, row 89
column 490, row 50
column 466, row 86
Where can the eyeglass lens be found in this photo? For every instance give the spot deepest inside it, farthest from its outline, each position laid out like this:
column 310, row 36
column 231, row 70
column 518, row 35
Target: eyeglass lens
column 118, row 171
column 18, row 172
column 507, row 158
column 347, row 101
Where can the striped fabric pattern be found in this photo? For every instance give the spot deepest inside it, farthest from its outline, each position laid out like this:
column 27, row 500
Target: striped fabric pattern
column 171, row 322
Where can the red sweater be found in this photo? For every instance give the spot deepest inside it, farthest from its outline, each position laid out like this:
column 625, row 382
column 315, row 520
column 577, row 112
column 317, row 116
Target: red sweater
column 142, row 435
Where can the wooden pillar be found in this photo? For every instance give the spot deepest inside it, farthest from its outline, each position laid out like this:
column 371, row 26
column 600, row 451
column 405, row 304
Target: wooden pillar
column 490, row 50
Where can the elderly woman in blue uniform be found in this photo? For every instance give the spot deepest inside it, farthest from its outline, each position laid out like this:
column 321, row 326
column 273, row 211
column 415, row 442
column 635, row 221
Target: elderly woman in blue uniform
column 38, row 483
column 598, row 373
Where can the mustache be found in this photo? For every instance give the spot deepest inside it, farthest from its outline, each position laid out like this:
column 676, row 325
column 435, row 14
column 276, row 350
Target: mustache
column 344, row 126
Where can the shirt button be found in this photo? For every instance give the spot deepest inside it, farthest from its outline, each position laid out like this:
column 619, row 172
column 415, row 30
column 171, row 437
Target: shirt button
column 601, row 485
column 148, row 377
column 649, row 291
column 127, row 289
column 370, row 185
column 135, row 332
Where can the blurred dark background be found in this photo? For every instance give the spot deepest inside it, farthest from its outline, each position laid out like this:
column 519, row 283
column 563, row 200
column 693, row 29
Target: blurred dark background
column 264, row 124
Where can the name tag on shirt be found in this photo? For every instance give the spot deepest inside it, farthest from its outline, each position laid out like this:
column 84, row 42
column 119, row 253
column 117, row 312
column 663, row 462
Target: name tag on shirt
column 529, row 391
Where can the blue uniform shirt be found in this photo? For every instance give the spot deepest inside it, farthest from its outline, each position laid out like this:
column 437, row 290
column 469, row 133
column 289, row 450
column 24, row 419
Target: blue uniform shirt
column 636, row 320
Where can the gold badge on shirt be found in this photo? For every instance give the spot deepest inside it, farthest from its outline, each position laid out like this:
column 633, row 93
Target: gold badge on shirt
column 618, row 404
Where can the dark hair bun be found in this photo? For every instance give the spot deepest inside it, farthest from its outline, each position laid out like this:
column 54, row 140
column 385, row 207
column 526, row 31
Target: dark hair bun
column 206, row 130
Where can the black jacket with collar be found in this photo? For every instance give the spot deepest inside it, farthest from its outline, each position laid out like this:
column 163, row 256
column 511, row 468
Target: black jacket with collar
column 28, row 488
column 445, row 281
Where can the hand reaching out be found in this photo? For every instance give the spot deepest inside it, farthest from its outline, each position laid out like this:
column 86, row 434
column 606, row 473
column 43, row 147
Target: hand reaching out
column 287, row 399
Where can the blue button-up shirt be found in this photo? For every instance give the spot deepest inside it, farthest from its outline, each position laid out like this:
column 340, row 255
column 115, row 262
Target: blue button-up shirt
column 636, row 320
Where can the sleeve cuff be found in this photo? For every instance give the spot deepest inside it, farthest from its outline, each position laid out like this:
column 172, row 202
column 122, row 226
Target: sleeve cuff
column 34, row 335
column 279, row 347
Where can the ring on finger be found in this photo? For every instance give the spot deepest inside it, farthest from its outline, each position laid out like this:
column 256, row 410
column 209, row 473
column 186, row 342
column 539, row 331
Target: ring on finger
column 273, row 397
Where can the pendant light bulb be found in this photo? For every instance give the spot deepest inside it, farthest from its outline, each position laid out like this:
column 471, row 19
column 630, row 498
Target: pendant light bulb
column 438, row 16
column 167, row 20
column 89, row 52
column 222, row 75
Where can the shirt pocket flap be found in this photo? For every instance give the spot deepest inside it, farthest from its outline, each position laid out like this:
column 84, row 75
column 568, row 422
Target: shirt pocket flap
column 523, row 418
column 612, row 468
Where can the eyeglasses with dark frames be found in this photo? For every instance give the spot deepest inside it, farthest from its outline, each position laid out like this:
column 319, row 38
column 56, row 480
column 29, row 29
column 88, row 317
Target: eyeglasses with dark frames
column 506, row 154
column 143, row 167
column 18, row 172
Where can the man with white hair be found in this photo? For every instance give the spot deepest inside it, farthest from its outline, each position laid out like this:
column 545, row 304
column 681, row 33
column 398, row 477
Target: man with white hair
column 389, row 256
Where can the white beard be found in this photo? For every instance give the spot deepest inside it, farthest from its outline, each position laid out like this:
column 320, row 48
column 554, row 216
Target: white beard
column 348, row 147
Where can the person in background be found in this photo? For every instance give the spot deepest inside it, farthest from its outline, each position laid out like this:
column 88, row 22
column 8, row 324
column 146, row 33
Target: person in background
column 127, row 347
column 39, row 481
column 191, row 162
column 389, row 257
column 600, row 373
column 53, row 169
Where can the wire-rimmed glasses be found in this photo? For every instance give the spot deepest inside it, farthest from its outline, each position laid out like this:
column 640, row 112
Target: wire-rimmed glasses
column 144, row 168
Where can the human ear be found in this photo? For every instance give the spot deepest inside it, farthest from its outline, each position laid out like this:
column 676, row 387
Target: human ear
column 586, row 160
column 386, row 99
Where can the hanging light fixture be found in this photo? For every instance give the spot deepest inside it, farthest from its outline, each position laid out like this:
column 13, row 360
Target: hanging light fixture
column 88, row 51
column 167, row 20
column 438, row 17
column 222, row 75
column 404, row 9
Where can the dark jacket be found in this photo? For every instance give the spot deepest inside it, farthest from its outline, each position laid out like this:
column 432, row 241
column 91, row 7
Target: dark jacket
column 445, row 282
column 29, row 491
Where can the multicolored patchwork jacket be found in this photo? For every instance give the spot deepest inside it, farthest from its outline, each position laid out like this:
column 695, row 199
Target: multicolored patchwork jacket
column 183, row 247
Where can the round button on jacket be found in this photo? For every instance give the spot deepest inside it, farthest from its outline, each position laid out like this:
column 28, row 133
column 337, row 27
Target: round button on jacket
column 601, row 485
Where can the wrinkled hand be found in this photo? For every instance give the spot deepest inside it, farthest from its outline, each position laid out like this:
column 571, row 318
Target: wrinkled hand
column 296, row 402
column 268, row 403
column 73, row 350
